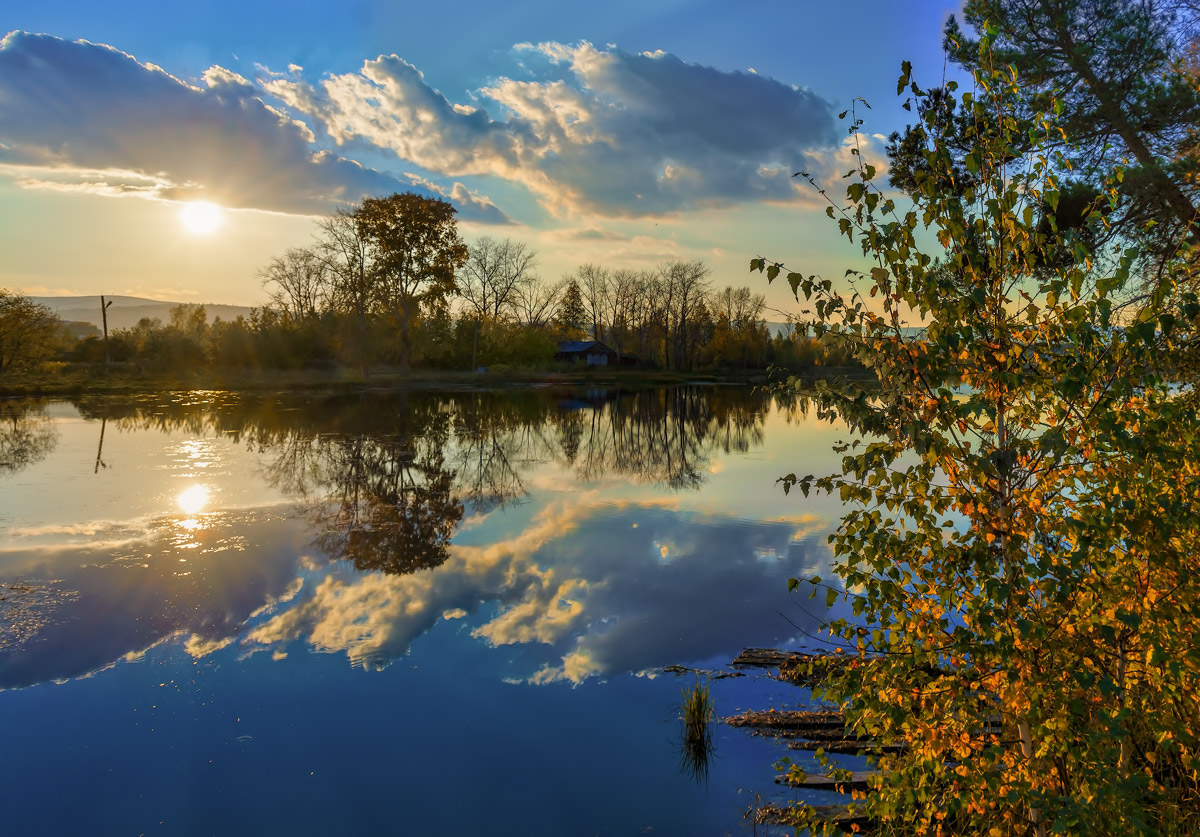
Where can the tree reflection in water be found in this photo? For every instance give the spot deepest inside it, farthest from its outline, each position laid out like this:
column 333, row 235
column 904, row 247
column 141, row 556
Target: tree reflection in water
column 387, row 478
column 27, row 435
column 391, row 503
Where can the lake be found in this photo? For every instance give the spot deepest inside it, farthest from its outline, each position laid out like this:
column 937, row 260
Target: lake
column 396, row 613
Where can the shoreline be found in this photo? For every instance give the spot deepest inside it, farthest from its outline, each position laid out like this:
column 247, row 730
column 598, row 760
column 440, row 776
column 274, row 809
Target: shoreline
column 126, row 382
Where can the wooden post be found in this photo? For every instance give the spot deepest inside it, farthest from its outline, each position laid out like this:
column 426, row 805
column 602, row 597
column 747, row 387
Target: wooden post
column 104, row 319
column 100, row 447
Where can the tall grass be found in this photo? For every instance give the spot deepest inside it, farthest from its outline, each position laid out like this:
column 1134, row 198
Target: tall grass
column 698, row 714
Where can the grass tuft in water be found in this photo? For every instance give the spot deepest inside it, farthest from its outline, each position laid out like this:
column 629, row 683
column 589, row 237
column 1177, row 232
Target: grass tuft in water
column 698, row 714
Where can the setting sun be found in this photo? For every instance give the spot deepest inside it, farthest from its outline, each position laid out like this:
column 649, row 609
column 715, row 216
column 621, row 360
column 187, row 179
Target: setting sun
column 201, row 217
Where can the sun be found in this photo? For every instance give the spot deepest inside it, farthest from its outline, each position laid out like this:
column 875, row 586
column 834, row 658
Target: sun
column 201, row 217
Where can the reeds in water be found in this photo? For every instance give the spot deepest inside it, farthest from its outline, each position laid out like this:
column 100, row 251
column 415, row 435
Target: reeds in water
column 698, row 715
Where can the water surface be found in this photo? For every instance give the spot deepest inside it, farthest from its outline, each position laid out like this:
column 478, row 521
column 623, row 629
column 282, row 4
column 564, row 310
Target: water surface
column 394, row 613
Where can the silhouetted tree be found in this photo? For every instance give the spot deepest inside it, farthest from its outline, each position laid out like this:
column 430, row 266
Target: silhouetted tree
column 571, row 317
column 29, row 331
column 414, row 252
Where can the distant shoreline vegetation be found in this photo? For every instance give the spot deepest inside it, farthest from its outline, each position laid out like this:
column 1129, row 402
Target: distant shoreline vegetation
column 42, row 354
column 390, row 285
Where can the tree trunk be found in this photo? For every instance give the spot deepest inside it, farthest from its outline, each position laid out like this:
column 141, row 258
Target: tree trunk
column 1181, row 205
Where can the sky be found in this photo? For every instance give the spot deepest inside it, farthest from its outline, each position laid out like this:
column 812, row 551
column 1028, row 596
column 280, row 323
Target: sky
column 171, row 151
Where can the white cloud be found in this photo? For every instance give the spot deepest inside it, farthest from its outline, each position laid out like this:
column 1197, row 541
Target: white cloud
column 601, row 131
column 89, row 117
column 586, row 131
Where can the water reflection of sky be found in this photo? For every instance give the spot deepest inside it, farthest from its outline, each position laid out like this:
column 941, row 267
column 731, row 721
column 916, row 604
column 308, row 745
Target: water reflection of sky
column 178, row 599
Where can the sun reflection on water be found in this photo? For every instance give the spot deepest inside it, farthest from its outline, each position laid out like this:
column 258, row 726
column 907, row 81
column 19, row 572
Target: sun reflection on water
column 193, row 499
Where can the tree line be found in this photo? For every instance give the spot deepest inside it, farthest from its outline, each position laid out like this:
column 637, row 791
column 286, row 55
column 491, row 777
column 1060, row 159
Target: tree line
column 390, row 283
column 494, row 308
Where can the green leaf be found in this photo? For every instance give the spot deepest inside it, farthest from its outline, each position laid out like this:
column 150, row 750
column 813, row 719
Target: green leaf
column 794, row 279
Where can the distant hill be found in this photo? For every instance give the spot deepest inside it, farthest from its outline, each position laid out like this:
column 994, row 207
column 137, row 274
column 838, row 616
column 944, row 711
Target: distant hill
column 776, row 328
column 125, row 311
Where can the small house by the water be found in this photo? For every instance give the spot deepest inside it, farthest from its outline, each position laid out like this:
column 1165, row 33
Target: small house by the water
column 593, row 353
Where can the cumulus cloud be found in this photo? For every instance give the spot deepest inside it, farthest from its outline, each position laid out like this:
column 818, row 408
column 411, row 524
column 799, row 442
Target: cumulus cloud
column 88, row 117
column 602, row 131
column 586, row 130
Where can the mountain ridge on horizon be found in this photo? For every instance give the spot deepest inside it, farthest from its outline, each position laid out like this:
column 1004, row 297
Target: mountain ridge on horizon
column 126, row 311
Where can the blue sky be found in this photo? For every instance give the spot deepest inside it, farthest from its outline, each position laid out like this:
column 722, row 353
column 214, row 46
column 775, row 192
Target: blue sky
column 621, row 133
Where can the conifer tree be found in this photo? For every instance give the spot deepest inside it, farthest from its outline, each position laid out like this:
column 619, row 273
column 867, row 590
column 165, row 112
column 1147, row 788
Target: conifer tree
column 572, row 316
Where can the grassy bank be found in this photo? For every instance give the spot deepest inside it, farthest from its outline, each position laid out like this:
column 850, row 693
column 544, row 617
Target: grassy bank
column 76, row 380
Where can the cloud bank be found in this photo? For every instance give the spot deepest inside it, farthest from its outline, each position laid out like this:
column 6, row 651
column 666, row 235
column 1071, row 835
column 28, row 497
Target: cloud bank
column 87, row 117
column 584, row 130
column 601, row 131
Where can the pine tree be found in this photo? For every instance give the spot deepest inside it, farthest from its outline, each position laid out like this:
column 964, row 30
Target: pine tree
column 571, row 318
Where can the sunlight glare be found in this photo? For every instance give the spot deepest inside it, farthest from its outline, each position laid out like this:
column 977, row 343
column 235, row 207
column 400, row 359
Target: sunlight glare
column 194, row 499
column 201, row 217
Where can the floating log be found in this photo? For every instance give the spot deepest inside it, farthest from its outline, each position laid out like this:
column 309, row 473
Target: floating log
column 797, row 667
column 791, row 815
column 792, row 723
column 858, row 780
column 769, row 657
column 843, row 746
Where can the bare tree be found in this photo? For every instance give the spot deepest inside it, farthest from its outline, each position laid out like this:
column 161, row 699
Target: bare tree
column 740, row 306
column 344, row 253
column 593, row 285
column 536, row 301
column 650, row 306
column 685, row 284
column 490, row 280
column 620, row 296
column 299, row 282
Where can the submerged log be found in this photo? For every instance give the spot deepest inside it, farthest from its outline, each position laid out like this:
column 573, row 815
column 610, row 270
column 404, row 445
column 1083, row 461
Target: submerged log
column 794, row 815
column 792, row 723
column 844, row 746
column 797, row 667
column 856, row 780
column 711, row 674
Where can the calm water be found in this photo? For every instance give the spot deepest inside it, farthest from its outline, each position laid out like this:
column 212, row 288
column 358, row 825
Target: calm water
column 440, row 613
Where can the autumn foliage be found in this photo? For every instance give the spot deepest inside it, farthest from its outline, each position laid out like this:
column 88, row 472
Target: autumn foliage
column 1021, row 546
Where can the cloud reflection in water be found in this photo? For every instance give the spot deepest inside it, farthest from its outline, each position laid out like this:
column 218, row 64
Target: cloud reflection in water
column 556, row 535
column 584, row 587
